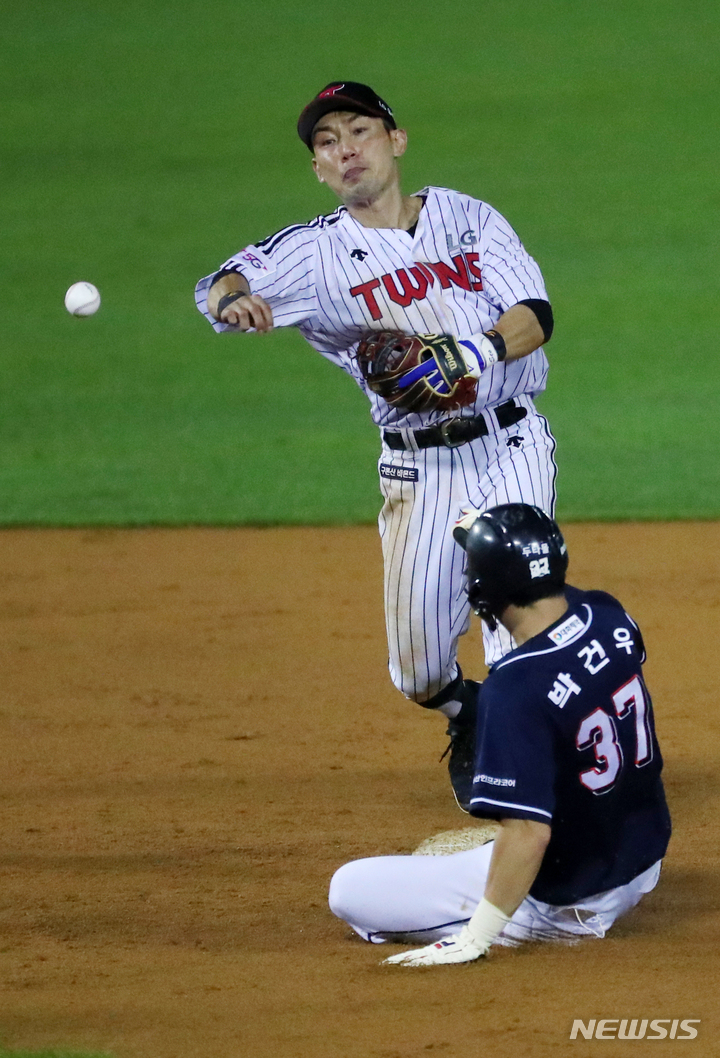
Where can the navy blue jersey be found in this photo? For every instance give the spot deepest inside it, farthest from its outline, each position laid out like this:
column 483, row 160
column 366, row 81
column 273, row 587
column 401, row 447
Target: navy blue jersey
column 566, row 737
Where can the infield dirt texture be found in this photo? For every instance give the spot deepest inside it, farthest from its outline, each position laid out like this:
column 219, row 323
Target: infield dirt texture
column 190, row 751
column 197, row 723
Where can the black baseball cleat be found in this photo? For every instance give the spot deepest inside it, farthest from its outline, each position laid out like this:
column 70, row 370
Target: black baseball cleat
column 461, row 731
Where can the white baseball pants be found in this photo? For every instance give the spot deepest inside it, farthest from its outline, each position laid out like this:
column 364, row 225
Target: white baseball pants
column 421, row 899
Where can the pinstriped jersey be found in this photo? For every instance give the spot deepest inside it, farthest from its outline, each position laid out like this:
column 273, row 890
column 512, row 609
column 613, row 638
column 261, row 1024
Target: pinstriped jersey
column 335, row 280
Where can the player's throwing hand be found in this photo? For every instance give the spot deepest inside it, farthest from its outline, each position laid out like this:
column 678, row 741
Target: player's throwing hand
column 460, row 948
column 248, row 312
column 230, row 303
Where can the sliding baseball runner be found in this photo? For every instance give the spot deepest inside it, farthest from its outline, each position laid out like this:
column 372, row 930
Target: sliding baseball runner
column 566, row 760
column 455, row 410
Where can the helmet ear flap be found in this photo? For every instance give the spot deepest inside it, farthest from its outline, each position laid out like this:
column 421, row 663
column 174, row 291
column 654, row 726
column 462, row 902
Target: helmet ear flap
column 480, row 606
column 486, row 614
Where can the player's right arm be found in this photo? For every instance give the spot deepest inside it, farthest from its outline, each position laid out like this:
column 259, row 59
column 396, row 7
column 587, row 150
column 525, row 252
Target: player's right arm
column 244, row 310
column 514, row 783
column 273, row 282
column 518, row 852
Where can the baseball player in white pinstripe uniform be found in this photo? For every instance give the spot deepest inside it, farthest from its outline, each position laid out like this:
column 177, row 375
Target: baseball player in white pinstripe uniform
column 433, row 262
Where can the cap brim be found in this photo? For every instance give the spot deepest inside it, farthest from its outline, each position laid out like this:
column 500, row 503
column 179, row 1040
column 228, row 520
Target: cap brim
column 319, row 107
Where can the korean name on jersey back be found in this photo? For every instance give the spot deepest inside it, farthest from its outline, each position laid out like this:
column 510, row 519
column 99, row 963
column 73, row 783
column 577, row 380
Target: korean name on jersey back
column 568, row 717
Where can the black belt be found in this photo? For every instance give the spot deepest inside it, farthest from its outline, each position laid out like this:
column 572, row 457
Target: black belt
column 451, row 433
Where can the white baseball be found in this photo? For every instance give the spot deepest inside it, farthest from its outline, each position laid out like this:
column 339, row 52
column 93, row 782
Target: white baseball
column 82, row 299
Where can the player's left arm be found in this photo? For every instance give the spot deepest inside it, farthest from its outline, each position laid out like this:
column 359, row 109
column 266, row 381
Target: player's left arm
column 512, row 281
column 518, row 332
column 524, row 328
column 517, row 854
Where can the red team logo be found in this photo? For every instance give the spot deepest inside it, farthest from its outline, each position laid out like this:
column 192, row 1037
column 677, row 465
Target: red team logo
column 330, row 91
column 411, row 284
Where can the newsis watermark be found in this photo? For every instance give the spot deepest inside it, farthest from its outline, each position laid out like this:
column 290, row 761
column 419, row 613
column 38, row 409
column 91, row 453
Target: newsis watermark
column 635, row 1029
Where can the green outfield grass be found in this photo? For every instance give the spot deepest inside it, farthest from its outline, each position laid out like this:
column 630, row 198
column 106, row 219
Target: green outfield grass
column 145, row 142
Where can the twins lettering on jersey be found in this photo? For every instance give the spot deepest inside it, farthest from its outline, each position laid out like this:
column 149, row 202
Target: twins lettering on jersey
column 406, row 285
column 334, row 279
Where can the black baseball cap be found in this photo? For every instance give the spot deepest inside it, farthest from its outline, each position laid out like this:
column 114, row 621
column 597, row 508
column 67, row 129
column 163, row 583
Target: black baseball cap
column 342, row 95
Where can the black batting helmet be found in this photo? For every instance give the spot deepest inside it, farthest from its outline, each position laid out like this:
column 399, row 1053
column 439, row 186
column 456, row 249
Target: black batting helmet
column 515, row 555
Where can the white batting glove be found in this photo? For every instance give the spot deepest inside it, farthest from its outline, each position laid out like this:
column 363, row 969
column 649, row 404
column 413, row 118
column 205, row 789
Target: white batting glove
column 474, row 940
column 457, row 949
column 479, row 353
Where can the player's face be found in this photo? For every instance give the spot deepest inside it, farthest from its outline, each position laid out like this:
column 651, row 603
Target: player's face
column 356, row 156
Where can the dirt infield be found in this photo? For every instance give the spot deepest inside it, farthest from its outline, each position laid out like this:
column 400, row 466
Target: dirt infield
column 198, row 728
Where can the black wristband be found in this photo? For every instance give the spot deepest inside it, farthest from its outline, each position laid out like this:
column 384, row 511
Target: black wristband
column 498, row 343
column 227, row 299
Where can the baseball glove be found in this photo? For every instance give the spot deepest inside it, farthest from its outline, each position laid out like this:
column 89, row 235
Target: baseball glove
column 418, row 372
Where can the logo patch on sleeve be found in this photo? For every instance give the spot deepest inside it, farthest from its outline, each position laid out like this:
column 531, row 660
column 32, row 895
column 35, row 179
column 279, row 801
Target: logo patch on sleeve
column 390, row 470
column 249, row 258
column 493, row 780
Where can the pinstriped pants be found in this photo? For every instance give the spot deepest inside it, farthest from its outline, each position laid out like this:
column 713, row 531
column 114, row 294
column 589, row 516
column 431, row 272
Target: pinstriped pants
column 426, row 609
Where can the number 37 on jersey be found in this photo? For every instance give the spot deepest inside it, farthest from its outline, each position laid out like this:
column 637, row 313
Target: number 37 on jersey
column 598, row 731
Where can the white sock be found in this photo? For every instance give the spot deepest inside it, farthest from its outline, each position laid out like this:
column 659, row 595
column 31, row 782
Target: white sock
column 450, row 709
